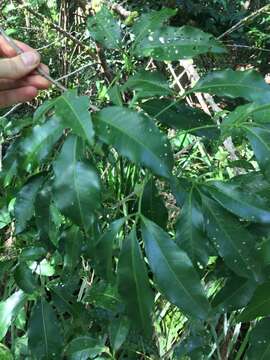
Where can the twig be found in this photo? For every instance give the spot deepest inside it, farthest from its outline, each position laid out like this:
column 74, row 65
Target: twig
column 74, row 72
column 39, row 70
column 10, row 111
column 243, row 21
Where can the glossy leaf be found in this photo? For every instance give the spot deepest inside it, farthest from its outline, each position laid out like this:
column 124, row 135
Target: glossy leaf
column 103, row 250
column 232, row 241
column 260, row 141
column 259, row 345
column 44, row 334
column 153, row 206
column 24, row 206
column 32, row 253
column 171, row 43
column 25, row 279
column 190, row 231
column 133, row 284
column 118, row 330
column 73, row 241
column 138, row 138
column 84, row 348
column 173, row 271
column 235, row 295
column 73, row 112
column 179, row 116
column 104, row 28
column 240, row 202
column 147, row 84
column 249, row 85
column 150, row 21
column 104, row 296
column 9, row 309
column 38, row 144
column 259, row 304
column 76, row 185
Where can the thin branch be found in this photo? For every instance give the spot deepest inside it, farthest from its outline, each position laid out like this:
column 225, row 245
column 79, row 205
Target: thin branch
column 245, row 20
column 74, row 72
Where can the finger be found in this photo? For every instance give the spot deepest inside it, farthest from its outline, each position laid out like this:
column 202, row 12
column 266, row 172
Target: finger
column 36, row 81
column 11, row 97
column 19, row 66
column 8, row 51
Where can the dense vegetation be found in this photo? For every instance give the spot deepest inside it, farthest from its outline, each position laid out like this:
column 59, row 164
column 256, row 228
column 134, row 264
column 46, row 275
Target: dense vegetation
column 135, row 205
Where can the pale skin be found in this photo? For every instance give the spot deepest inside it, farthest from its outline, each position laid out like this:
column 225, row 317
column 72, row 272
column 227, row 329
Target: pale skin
column 18, row 81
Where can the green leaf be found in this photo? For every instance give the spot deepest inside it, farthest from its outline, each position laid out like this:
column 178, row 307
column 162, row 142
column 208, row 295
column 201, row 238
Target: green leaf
column 24, row 205
column 45, row 339
column 25, row 279
column 5, row 218
column 259, row 304
column 133, row 285
column 260, row 141
column 232, row 241
column 73, row 112
column 138, row 138
column 9, row 309
column 249, row 85
column 179, row 116
column 104, row 28
column 173, row 271
column 103, row 250
column 241, row 202
column 235, row 295
column 259, row 344
column 172, row 43
column 147, row 84
column 76, row 185
column 152, row 205
column 84, row 348
column 38, row 144
column 118, row 331
column 104, row 296
column 5, row 353
column 150, row 21
column 32, row 253
column 190, row 231
column 73, row 241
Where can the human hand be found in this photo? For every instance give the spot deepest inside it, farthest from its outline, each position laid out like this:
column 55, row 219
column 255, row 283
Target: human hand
column 18, row 81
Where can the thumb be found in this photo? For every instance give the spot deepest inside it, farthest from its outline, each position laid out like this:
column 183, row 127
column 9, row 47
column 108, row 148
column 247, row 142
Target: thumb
column 19, row 66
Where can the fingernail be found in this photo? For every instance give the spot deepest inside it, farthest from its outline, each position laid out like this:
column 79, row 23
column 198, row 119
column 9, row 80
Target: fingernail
column 30, row 58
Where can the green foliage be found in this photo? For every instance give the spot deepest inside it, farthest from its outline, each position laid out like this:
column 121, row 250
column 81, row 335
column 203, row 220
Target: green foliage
column 129, row 230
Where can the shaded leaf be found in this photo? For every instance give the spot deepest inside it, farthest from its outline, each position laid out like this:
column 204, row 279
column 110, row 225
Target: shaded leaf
column 172, row 43
column 103, row 250
column 138, row 138
column 73, row 241
column 249, row 85
column 73, row 112
column 133, row 284
column 9, row 309
column 104, row 28
column 259, row 345
column 76, row 185
column 38, row 144
column 152, row 205
column 84, row 348
column 232, row 241
column 25, row 279
column 179, row 116
column 118, row 330
column 45, row 339
column 103, row 295
column 24, row 205
column 259, row 304
column 147, row 84
column 173, row 271
column 190, row 231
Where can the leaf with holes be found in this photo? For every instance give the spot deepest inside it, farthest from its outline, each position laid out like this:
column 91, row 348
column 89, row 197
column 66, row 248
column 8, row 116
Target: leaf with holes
column 173, row 271
column 104, row 28
column 171, row 44
column 136, row 137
